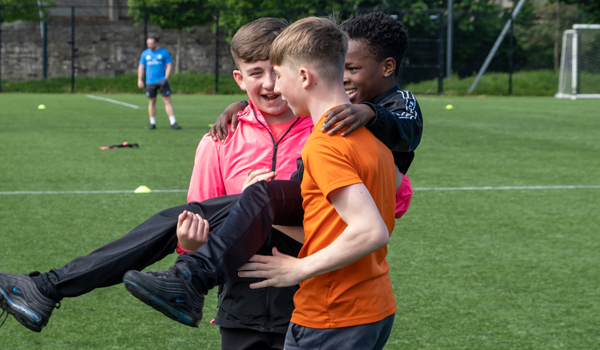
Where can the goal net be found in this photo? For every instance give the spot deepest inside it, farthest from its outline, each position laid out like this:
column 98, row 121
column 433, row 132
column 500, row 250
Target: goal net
column 580, row 62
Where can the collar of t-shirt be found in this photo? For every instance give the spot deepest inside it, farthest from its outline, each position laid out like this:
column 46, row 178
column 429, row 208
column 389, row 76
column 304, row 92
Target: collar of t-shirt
column 278, row 130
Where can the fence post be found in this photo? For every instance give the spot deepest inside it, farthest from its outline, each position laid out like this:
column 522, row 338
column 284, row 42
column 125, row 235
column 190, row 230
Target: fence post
column 72, row 49
column 440, row 53
column 400, row 70
column 45, row 47
column 0, row 48
column 217, row 54
column 510, row 57
column 145, row 28
column 449, row 40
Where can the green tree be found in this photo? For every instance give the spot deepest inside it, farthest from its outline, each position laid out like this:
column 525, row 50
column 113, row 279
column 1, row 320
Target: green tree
column 173, row 15
column 23, row 10
column 541, row 35
column 590, row 9
column 235, row 13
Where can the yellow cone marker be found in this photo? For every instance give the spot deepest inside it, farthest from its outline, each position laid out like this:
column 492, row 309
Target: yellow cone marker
column 142, row 189
column 41, row 107
column 210, row 125
column 449, row 107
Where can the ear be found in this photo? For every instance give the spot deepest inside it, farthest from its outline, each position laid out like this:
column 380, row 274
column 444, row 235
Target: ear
column 306, row 77
column 389, row 66
column 239, row 79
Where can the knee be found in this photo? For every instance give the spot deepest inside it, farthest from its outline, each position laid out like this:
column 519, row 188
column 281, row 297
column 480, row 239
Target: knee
column 259, row 188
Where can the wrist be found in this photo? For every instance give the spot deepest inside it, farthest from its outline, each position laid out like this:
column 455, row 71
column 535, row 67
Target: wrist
column 181, row 250
column 372, row 112
column 306, row 268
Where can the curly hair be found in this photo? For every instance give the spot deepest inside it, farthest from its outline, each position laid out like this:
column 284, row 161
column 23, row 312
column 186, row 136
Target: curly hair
column 385, row 36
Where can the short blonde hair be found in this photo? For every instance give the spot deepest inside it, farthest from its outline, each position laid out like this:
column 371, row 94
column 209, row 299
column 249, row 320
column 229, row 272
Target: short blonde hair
column 253, row 40
column 314, row 40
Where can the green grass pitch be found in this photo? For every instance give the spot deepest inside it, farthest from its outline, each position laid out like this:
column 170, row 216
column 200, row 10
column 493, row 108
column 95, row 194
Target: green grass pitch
column 494, row 269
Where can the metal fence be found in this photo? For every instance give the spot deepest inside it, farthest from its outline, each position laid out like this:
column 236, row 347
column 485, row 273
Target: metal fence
column 94, row 41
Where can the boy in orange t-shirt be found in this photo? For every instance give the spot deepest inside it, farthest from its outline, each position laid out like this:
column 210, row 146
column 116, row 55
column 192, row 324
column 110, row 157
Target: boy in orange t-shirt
column 345, row 298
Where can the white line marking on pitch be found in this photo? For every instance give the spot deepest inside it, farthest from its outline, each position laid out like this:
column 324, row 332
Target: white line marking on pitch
column 85, row 192
column 489, row 188
column 113, row 101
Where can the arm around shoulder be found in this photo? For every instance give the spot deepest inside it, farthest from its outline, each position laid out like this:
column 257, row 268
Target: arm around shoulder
column 398, row 122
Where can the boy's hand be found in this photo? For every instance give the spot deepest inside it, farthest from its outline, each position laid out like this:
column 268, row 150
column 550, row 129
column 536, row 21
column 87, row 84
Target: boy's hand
column 255, row 176
column 140, row 84
column 219, row 130
column 351, row 116
column 279, row 270
column 192, row 230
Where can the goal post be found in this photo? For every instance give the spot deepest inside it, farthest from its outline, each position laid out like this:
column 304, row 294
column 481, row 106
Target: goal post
column 580, row 62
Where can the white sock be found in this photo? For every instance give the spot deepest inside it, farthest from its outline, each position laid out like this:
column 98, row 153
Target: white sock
column 153, row 120
column 172, row 119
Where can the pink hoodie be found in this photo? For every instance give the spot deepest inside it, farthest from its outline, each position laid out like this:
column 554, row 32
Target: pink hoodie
column 221, row 169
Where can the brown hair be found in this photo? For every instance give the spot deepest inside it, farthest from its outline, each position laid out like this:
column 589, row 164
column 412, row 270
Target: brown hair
column 156, row 37
column 314, row 40
column 252, row 42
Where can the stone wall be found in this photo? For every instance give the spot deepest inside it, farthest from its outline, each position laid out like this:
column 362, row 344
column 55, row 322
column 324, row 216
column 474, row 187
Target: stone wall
column 90, row 8
column 103, row 48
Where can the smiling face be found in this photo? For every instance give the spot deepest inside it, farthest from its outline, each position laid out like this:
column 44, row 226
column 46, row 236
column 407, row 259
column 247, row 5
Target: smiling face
column 364, row 77
column 258, row 80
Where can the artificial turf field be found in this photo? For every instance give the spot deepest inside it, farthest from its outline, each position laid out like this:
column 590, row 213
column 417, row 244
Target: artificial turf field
column 471, row 269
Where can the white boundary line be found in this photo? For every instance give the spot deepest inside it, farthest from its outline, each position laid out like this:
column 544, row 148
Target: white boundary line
column 489, row 188
column 504, row 188
column 113, row 101
column 85, row 192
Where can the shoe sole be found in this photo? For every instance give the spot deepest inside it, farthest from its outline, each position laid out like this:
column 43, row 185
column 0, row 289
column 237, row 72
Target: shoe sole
column 24, row 316
column 158, row 304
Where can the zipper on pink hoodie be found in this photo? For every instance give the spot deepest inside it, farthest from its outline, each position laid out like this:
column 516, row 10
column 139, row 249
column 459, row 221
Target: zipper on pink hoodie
column 221, row 169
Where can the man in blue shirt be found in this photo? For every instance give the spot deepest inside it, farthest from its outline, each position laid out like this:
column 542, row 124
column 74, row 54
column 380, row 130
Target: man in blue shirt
column 156, row 64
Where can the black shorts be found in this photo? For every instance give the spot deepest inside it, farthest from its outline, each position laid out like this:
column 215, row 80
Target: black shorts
column 152, row 89
column 247, row 339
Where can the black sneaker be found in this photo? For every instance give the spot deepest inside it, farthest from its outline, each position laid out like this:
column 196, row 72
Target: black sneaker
column 152, row 126
column 170, row 292
column 20, row 297
column 175, row 126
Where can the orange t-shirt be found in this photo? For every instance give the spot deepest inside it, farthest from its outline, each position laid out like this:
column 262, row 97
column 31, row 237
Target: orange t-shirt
column 360, row 293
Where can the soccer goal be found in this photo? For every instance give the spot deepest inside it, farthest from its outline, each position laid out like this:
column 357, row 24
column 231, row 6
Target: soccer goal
column 580, row 63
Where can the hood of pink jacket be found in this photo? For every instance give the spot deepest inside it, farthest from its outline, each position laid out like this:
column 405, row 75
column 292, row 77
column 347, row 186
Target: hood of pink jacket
column 221, row 168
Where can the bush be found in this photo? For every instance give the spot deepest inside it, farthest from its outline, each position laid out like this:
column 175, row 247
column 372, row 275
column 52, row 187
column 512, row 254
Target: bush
column 525, row 83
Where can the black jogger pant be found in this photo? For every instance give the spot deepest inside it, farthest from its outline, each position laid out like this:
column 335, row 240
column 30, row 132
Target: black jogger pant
column 251, row 215
column 245, row 230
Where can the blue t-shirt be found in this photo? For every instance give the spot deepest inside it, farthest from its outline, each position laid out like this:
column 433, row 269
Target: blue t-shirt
column 155, row 62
